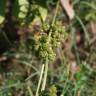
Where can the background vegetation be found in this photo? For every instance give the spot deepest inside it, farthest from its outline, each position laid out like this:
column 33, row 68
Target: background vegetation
column 44, row 51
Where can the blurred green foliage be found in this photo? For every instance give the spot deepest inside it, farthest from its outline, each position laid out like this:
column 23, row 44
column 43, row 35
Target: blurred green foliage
column 41, row 42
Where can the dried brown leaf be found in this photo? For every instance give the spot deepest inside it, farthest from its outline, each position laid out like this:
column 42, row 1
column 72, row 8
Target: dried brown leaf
column 68, row 8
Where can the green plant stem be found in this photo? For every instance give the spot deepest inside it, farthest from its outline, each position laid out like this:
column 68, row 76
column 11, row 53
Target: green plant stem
column 83, row 27
column 40, row 79
column 67, row 79
column 74, row 45
column 53, row 21
column 54, row 18
column 45, row 76
column 30, row 91
column 6, row 38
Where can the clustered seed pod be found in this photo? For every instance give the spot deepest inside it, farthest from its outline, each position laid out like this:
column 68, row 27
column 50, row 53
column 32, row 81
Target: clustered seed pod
column 44, row 42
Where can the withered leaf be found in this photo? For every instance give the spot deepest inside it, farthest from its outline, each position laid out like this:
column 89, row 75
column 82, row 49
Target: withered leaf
column 68, row 8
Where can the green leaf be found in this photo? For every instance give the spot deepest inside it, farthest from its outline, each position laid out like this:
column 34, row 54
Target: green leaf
column 21, row 15
column 16, row 9
column 23, row 6
column 23, row 2
column 24, row 9
column 1, row 19
column 2, row 10
column 53, row 90
column 43, row 13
